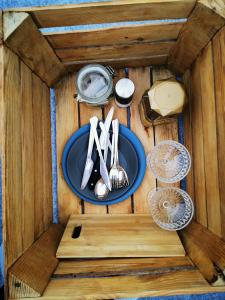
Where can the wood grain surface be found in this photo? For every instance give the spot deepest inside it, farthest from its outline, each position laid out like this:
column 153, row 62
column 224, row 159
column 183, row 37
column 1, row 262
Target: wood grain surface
column 141, row 79
column 118, row 236
column 202, row 25
column 29, row 276
column 27, row 203
column 66, row 109
column 120, row 10
column 120, row 266
column 219, row 77
column 33, row 51
column 116, row 35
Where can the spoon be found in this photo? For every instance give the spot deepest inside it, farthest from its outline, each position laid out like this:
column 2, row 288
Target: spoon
column 101, row 190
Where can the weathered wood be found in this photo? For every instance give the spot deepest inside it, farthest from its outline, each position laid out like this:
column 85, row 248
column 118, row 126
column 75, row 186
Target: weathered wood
column 127, row 51
column 171, row 283
column 120, row 266
column 19, row 133
column 86, row 112
column 219, row 75
column 28, row 156
column 120, row 62
column 38, row 154
column 188, row 132
column 215, row 5
column 200, row 28
column 1, row 27
column 198, row 147
column 66, row 109
column 47, row 157
column 168, row 131
column 209, row 242
column 200, row 258
column 141, row 79
column 130, row 236
column 35, row 50
column 13, row 158
column 116, row 35
column 208, row 108
column 29, row 276
column 120, row 10
column 120, row 113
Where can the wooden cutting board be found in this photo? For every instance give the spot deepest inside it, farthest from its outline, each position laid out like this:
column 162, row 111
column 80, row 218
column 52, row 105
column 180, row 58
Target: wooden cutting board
column 89, row 236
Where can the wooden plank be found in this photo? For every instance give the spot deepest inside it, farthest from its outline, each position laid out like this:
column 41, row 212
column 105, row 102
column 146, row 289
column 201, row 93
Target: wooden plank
column 141, row 79
column 202, row 261
column 35, row 51
column 13, row 159
column 198, row 148
column 188, row 132
column 116, row 35
column 168, row 131
column 29, row 276
column 114, row 51
column 86, row 112
column 120, row 113
column 27, row 157
column 209, row 242
column 38, row 154
column 66, row 109
column 219, row 75
column 210, row 140
column 130, row 236
column 200, row 28
column 171, row 283
column 120, row 10
column 47, row 159
column 1, row 27
column 120, row 266
column 120, row 62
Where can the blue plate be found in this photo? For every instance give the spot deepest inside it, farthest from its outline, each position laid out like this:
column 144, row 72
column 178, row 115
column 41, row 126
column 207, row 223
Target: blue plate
column 131, row 155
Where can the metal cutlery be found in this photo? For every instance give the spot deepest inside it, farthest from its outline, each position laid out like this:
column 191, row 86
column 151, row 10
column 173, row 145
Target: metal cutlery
column 103, row 168
column 89, row 162
column 95, row 175
column 118, row 175
column 101, row 190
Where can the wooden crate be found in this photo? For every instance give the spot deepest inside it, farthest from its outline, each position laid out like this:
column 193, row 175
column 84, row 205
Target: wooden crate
column 31, row 62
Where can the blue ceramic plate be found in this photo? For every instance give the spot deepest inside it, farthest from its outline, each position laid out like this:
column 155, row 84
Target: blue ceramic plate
column 131, row 155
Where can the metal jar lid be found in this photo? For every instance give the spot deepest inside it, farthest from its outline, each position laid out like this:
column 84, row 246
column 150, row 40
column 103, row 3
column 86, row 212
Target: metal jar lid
column 124, row 88
column 94, row 84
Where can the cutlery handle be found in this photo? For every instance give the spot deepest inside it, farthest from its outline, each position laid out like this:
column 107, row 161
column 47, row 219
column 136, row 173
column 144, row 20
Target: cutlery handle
column 95, row 174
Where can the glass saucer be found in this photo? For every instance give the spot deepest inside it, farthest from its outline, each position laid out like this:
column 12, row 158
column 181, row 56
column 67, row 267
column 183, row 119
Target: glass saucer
column 171, row 208
column 169, row 161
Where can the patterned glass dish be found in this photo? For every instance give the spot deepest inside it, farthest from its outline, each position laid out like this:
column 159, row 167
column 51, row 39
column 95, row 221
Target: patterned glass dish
column 169, row 161
column 171, row 208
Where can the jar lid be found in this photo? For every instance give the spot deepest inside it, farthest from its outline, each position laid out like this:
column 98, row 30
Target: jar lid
column 124, row 88
column 94, row 83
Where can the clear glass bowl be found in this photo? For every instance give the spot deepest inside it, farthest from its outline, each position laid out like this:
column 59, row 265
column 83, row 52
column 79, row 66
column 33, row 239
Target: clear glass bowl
column 169, row 161
column 171, row 208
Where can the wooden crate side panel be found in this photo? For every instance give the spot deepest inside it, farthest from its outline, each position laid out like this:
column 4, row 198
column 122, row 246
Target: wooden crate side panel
column 26, row 211
column 219, row 76
column 208, row 108
column 120, row 11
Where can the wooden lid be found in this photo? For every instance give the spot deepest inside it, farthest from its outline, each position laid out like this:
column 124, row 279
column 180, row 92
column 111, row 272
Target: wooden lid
column 167, row 97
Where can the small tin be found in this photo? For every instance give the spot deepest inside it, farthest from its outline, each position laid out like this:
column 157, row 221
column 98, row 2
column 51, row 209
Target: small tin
column 124, row 91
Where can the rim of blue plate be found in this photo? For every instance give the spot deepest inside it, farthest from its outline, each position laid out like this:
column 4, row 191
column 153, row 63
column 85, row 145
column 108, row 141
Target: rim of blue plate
column 141, row 164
